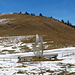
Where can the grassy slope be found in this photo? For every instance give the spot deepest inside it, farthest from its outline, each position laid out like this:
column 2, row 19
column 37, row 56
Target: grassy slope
column 61, row 34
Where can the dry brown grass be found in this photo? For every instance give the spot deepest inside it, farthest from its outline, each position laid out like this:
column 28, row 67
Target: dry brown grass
column 61, row 34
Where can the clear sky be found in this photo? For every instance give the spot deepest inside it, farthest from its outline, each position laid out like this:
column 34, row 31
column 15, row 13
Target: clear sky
column 58, row 9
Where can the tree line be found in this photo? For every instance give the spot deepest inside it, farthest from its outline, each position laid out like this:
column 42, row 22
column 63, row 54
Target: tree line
column 26, row 13
column 40, row 14
column 67, row 23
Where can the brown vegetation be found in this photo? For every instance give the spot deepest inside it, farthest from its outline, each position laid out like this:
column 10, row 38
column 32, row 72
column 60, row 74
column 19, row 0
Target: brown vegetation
column 60, row 33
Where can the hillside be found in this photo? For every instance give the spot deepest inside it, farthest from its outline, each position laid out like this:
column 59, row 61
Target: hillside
column 15, row 24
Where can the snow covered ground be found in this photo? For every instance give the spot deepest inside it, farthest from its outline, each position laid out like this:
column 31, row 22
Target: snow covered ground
column 11, row 67
column 14, row 44
column 9, row 63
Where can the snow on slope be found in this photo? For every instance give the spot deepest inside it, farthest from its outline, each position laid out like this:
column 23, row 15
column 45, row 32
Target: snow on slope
column 38, row 66
column 14, row 44
column 10, row 66
column 54, row 51
column 3, row 21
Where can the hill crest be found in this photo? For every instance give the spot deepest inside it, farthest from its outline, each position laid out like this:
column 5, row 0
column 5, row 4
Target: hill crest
column 20, row 24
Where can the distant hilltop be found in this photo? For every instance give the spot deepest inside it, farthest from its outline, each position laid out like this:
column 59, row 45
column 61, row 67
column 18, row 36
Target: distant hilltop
column 16, row 24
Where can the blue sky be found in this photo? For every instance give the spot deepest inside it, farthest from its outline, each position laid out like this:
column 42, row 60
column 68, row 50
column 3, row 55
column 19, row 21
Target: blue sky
column 58, row 9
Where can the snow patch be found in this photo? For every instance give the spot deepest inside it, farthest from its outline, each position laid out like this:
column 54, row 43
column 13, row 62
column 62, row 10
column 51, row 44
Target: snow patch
column 4, row 21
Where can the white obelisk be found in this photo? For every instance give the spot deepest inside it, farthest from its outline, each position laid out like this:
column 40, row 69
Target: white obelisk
column 38, row 46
